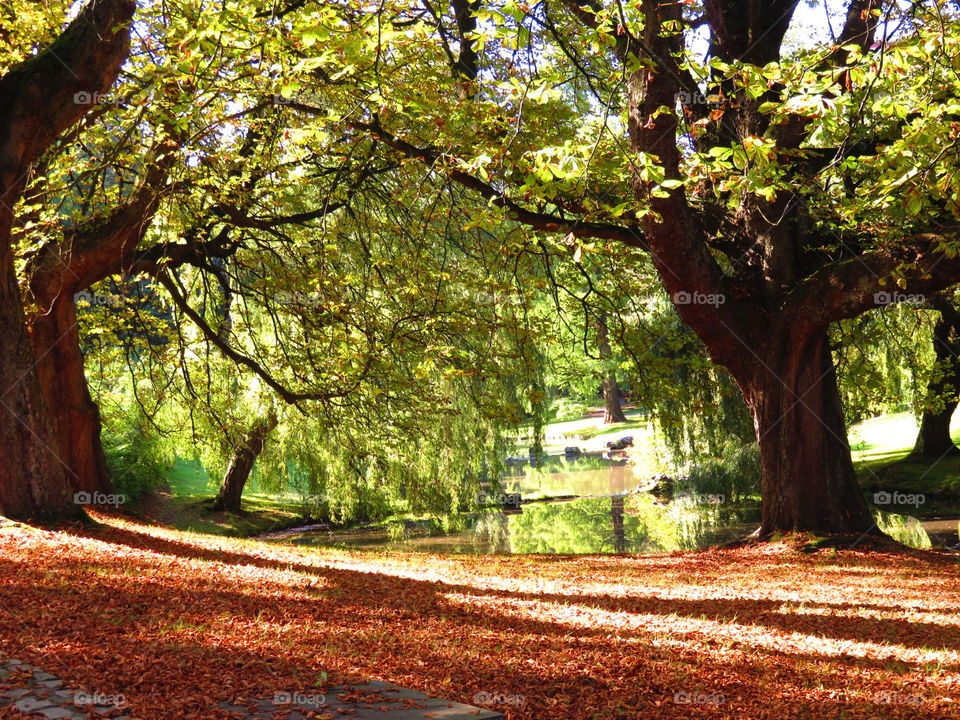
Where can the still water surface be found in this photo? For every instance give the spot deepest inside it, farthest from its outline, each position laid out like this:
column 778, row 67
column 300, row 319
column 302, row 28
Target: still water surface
column 605, row 517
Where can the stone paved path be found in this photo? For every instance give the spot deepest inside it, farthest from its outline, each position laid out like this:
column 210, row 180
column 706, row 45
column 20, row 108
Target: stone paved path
column 41, row 695
column 370, row 701
column 33, row 691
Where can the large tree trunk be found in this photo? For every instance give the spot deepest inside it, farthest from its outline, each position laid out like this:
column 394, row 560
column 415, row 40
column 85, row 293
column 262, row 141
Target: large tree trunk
column 808, row 481
column 238, row 472
column 32, row 478
column 933, row 440
column 612, row 410
column 757, row 316
column 75, row 417
column 38, row 101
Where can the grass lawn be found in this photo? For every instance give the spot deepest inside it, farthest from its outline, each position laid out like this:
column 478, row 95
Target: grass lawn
column 880, row 446
column 184, row 505
column 179, row 622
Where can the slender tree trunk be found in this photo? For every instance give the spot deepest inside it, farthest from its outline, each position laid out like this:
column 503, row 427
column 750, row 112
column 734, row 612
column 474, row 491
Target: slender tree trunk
column 933, row 440
column 238, row 472
column 75, row 417
column 612, row 411
column 33, row 483
column 616, row 518
column 808, row 481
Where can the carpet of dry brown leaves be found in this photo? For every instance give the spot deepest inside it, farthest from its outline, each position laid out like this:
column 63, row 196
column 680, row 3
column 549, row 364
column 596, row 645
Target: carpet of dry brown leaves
column 179, row 622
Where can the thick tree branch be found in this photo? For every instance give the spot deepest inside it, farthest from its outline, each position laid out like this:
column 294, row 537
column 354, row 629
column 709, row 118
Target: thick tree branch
column 850, row 287
column 97, row 248
column 42, row 97
column 675, row 233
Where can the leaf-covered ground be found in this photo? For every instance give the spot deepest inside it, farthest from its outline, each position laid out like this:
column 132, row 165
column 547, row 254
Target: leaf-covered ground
column 178, row 623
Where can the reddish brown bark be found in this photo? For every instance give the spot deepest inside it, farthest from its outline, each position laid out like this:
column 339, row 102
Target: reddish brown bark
column 38, row 101
column 807, row 478
column 74, row 416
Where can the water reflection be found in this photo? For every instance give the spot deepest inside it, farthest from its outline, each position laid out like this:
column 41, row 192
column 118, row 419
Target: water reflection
column 611, row 519
column 626, row 524
column 584, row 475
column 634, row 523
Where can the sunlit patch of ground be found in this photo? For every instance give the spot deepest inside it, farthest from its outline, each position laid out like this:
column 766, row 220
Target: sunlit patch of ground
column 180, row 622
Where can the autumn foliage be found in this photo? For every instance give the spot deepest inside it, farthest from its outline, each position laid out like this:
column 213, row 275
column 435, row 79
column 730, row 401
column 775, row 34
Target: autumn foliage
column 179, row 623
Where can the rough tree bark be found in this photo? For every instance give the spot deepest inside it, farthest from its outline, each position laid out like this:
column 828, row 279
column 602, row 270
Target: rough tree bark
column 74, row 416
column 241, row 464
column 807, row 479
column 37, row 103
column 933, row 439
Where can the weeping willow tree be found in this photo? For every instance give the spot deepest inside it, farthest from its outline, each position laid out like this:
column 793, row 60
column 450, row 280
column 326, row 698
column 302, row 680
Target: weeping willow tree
column 371, row 357
column 884, row 359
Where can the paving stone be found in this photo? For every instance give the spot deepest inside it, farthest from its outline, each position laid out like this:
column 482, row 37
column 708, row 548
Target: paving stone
column 31, row 704
column 11, row 695
column 59, row 713
column 46, row 697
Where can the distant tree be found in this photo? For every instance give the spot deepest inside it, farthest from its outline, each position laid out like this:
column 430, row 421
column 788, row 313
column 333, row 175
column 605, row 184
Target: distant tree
column 943, row 389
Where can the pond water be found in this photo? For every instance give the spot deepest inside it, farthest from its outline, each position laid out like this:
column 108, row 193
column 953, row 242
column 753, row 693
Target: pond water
column 605, row 518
